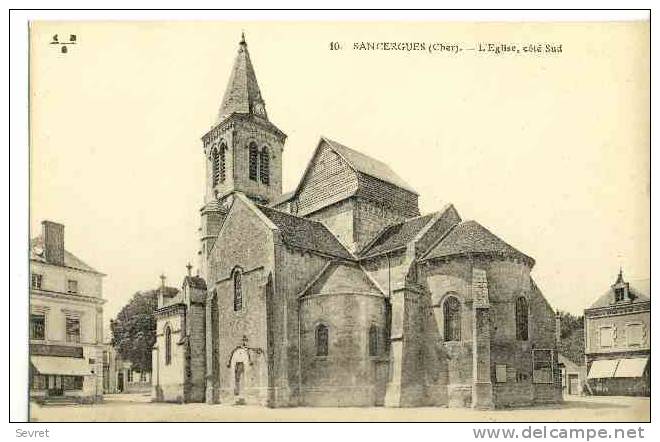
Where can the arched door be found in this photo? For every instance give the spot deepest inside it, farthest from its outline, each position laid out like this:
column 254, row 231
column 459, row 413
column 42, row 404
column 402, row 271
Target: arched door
column 239, row 372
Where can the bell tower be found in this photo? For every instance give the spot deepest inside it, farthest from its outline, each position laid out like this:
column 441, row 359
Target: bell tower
column 243, row 151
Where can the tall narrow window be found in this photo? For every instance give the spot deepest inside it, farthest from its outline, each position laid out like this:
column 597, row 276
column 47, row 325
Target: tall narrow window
column 222, row 154
column 254, row 158
column 38, row 326
column 373, row 340
column 168, row 345
column 239, row 369
column 322, row 340
column 619, row 294
column 72, row 329
column 452, row 318
column 36, row 281
column 215, row 158
column 635, row 334
column 606, row 336
column 72, row 286
column 264, row 166
column 522, row 323
column 238, row 291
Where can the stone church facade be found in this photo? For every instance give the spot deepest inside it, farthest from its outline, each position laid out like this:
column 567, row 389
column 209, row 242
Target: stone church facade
column 340, row 293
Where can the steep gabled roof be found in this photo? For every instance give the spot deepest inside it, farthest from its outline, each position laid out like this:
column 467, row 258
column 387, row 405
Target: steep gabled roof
column 282, row 198
column 367, row 165
column 470, row 237
column 195, row 282
column 305, row 233
column 70, row 260
column 640, row 291
column 342, row 278
column 242, row 94
column 397, row 235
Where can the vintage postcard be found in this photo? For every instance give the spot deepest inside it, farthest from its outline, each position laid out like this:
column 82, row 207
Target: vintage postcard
column 339, row 221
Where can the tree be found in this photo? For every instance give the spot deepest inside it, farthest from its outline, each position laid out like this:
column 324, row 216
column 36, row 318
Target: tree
column 134, row 329
column 571, row 337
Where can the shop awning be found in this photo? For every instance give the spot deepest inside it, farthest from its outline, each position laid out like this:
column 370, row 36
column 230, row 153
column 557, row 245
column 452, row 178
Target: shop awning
column 61, row 366
column 631, row 367
column 604, row 368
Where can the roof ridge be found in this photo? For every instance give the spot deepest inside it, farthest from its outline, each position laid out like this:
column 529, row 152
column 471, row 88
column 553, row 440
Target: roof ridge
column 439, row 241
column 337, row 147
column 290, row 214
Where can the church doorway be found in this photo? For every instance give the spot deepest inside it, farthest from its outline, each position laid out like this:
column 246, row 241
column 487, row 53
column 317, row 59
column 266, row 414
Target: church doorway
column 239, row 371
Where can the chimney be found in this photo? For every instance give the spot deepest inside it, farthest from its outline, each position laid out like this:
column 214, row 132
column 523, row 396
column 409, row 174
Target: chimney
column 53, row 235
column 557, row 327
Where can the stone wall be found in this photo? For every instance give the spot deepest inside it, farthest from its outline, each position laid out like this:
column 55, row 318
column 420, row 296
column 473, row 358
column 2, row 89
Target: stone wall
column 169, row 379
column 339, row 219
column 237, row 134
column 347, row 376
column 252, row 255
column 329, row 180
column 619, row 327
column 295, row 270
column 371, row 217
column 196, row 375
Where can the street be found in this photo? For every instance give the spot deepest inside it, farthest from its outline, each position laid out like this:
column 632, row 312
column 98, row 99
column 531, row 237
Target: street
column 137, row 407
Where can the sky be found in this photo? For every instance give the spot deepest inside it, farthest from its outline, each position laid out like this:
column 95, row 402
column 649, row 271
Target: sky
column 548, row 151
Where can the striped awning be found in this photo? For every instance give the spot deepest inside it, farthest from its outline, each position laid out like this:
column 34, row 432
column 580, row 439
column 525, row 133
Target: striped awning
column 631, row 367
column 604, row 368
column 61, row 366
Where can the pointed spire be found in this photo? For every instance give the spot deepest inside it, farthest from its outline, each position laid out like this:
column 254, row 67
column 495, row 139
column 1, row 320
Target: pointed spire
column 242, row 94
column 619, row 279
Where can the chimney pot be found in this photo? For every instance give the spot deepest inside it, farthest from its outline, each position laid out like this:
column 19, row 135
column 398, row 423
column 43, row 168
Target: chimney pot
column 53, row 236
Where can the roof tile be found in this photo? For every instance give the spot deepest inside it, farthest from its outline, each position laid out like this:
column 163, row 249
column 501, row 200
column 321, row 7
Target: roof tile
column 305, row 233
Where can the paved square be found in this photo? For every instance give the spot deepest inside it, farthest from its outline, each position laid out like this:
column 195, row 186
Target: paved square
column 124, row 407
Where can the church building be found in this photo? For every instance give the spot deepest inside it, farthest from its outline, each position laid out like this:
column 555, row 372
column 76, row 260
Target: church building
column 341, row 293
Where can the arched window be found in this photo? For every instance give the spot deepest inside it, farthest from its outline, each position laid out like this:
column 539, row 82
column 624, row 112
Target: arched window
column 168, row 345
column 322, row 340
column 522, row 321
column 452, row 318
column 264, row 166
column 254, row 158
column 238, row 291
column 215, row 159
column 373, row 340
column 222, row 153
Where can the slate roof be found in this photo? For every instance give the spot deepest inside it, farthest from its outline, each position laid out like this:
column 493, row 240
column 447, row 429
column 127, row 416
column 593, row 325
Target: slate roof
column 368, row 166
column 242, row 93
column 70, row 260
column 305, row 233
column 283, row 198
column 640, row 291
column 470, row 237
column 397, row 235
column 195, row 282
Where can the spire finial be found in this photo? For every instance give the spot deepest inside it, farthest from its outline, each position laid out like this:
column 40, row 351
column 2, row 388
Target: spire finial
column 619, row 279
column 162, row 280
column 189, row 267
column 243, row 38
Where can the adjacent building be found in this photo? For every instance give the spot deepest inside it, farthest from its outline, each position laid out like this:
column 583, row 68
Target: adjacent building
column 66, row 322
column 573, row 376
column 179, row 354
column 618, row 340
column 341, row 293
column 121, row 376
